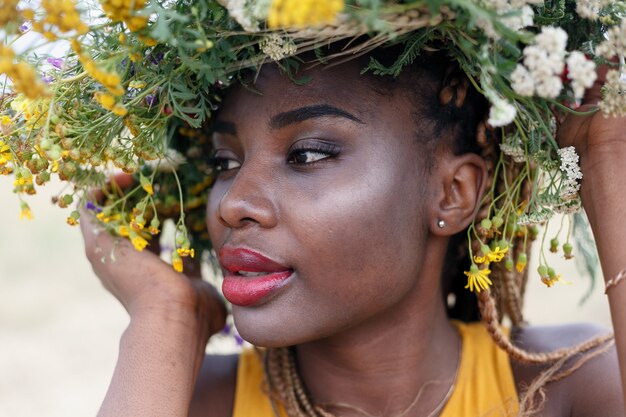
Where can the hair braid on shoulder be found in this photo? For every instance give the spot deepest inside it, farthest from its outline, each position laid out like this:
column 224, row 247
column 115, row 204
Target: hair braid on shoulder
column 491, row 321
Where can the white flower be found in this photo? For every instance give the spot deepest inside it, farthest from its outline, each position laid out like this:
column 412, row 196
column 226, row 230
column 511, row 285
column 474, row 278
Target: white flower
column 241, row 12
column 522, row 82
column 520, row 20
column 515, row 152
column 277, row 48
column 581, row 71
column 568, row 207
column 615, row 44
column 501, row 112
column 549, row 87
column 614, row 95
column 552, row 39
column 535, row 217
column 543, row 64
column 571, row 173
column 589, row 9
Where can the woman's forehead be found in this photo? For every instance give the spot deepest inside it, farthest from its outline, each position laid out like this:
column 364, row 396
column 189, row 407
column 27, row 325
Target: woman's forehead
column 339, row 86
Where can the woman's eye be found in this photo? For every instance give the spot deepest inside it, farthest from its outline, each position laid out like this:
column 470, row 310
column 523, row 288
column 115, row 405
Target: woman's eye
column 225, row 164
column 309, row 156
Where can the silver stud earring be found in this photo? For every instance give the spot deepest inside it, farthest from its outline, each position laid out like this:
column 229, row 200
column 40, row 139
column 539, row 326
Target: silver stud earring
column 441, row 224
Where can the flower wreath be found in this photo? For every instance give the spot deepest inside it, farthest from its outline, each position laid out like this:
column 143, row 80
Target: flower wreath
column 141, row 79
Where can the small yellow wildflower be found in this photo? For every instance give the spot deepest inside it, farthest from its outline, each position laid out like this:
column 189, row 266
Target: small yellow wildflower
column 522, row 260
column 71, row 221
column 8, row 11
column 148, row 188
column 25, row 213
column 497, row 254
column 137, row 223
column 5, row 153
column 186, row 252
column 119, row 110
column 134, row 130
column 301, row 13
column 25, row 78
column 5, row 120
column 177, row 262
column 138, row 242
column 119, row 10
column 123, row 231
column 478, row 279
column 488, row 255
column 550, row 281
column 106, row 100
column 137, row 84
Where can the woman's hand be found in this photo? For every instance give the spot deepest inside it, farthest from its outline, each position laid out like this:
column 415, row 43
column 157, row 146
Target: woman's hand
column 594, row 136
column 142, row 282
column 172, row 318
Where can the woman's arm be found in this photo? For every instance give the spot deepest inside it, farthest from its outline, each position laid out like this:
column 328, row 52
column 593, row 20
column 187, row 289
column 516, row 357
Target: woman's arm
column 601, row 144
column 171, row 320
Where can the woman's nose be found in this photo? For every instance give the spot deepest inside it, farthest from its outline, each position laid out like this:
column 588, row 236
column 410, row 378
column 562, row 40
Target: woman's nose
column 248, row 199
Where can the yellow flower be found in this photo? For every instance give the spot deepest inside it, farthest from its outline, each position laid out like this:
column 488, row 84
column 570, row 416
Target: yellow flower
column 522, row 260
column 25, row 78
column 122, row 231
column 5, row 120
column 8, row 11
column 25, row 213
column 137, row 84
column 106, row 100
column 120, row 10
column 148, row 188
column 489, row 255
column 480, row 259
column 478, row 279
column 301, row 13
column 5, row 153
column 71, row 221
column 186, row 252
column 497, row 254
column 138, row 241
column 177, row 262
column 119, row 110
column 550, row 281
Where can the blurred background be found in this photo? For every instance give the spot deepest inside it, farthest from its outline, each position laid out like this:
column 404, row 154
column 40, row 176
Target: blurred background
column 59, row 329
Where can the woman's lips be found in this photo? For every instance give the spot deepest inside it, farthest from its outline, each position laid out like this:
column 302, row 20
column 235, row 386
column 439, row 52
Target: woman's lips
column 250, row 276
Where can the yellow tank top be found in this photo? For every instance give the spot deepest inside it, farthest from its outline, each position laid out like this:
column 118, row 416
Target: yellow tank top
column 484, row 385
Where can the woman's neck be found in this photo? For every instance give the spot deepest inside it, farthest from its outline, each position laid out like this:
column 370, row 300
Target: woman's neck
column 380, row 366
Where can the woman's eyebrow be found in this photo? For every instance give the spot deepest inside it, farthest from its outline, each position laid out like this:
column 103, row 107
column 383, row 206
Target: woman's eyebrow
column 221, row 126
column 309, row 112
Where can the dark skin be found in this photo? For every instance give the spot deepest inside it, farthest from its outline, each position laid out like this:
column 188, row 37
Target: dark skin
column 345, row 196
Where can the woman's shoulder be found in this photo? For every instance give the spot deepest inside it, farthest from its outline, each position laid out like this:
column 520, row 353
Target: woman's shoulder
column 214, row 393
column 594, row 386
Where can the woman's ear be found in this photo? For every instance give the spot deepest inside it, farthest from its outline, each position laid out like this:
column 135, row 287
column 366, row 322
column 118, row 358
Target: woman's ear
column 459, row 190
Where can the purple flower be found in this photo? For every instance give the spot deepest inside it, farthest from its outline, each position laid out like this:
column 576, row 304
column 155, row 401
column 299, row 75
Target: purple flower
column 47, row 80
column 155, row 59
column 151, row 99
column 91, row 206
column 56, row 62
column 24, row 27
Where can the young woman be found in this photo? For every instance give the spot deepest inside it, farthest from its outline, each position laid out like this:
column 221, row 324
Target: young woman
column 331, row 216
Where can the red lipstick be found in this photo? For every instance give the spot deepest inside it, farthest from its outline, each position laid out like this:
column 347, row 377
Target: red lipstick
column 250, row 277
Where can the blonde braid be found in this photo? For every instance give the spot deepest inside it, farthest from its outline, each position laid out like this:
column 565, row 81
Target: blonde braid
column 489, row 315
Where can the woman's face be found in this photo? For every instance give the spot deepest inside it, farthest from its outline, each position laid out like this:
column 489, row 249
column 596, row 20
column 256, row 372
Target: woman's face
column 320, row 202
